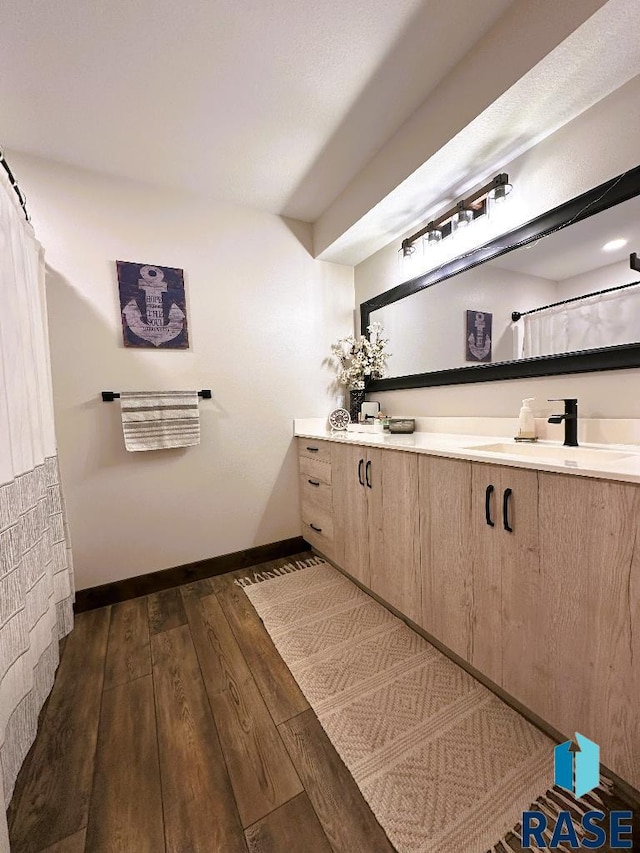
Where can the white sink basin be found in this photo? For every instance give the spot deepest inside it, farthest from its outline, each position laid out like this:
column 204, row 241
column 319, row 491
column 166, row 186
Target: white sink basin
column 572, row 456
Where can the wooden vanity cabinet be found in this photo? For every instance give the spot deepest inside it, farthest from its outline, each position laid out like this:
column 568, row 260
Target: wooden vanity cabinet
column 351, row 511
column 531, row 577
column 446, row 548
column 549, row 611
column 505, row 557
column 394, row 529
column 478, row 524
column 577, row 619
column 376, row 522
column 316, row 494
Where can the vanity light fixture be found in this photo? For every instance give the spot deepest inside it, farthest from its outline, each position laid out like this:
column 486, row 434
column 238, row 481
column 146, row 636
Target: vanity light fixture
column 460, row 215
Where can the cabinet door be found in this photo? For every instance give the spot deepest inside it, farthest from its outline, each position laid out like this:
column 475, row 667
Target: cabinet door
column 504, row 563
column 581, row 614
column 445, row 534
column 348, row 464
column 393, row 518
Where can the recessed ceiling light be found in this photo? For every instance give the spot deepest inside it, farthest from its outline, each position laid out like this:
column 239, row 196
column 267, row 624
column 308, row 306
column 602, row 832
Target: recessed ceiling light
column 612, row 245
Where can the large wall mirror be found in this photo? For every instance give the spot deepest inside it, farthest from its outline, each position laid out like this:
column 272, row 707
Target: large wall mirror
column 557, row 295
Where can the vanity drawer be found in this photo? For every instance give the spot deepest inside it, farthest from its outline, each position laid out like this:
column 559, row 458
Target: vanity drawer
column 315, row 449
column 317, row 529
column 320, row 518
column 315, row 469
column 315, row 493
column 319, row 541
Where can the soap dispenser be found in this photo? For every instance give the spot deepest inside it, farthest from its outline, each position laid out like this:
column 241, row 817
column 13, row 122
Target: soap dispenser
column 527, row 424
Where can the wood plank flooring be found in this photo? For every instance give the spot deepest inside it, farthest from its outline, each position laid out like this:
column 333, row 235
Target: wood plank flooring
column 199, row 808
column 126, row 804
column 53, row 792
column 175, row 727
column 129, row 651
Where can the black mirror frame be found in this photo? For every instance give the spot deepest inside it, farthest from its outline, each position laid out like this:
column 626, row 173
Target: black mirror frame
column 600, row 198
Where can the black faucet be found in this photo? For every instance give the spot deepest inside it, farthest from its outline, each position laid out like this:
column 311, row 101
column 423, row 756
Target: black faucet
column 570, row 418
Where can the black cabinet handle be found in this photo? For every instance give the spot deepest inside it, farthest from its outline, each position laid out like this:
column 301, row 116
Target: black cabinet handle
column 367, row 473
column 313, row 449
column 505, row 510
column 487, row 506
column 360, row 466
column 317, row 529
column 314, row 482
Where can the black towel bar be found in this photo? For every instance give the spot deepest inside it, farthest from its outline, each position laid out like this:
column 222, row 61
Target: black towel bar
column 110, row 396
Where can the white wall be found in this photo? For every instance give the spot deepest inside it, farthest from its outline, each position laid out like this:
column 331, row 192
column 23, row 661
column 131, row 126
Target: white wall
column 594, row 147
column 611, row 275
column 262, row 317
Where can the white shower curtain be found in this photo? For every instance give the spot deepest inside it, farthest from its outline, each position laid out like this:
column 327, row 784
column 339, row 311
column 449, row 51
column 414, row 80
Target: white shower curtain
column 36, row 577
column 596, row 321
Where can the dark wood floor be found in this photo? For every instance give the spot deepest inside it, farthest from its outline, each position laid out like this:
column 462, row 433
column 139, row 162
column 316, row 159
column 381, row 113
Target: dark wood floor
column 175, row 726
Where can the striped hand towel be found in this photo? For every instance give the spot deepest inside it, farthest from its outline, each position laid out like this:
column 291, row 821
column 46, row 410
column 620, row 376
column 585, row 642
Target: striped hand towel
column 155, row 420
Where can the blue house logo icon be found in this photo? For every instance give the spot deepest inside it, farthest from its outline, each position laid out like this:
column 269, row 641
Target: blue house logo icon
column 577, row 765
column 577, row 769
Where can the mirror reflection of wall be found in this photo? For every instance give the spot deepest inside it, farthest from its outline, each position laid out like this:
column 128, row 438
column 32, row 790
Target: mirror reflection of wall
column 427, row 330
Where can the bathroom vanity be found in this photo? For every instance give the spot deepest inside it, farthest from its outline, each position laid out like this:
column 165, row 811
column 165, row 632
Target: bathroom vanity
column 521, row 561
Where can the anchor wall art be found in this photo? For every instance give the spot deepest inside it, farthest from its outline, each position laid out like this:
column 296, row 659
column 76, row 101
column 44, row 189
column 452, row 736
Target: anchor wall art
column 153, row 305
column 478, row 335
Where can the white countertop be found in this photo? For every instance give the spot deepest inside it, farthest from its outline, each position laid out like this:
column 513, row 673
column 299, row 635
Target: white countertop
column 470, row 447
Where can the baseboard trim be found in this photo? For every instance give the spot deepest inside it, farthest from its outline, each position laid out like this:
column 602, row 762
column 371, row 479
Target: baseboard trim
column 122, row 590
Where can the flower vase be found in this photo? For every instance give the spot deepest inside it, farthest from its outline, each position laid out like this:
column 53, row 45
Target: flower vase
column 356, row 399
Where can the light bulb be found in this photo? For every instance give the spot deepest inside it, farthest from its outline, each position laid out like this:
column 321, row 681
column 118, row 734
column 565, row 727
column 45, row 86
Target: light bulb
column 462, row 218
column 433, row 237
column 500, row 193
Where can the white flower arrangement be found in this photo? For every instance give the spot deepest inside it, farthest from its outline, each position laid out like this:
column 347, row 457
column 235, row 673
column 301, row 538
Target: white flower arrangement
column 361, row 358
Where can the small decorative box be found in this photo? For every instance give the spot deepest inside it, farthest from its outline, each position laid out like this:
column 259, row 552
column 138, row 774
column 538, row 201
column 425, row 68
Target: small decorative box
column 406, row 425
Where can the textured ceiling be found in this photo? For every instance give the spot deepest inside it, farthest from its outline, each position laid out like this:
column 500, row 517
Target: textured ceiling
column 276, row 105
column 597, row 58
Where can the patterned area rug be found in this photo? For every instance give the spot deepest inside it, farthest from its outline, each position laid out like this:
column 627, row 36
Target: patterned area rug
column 445, row 765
